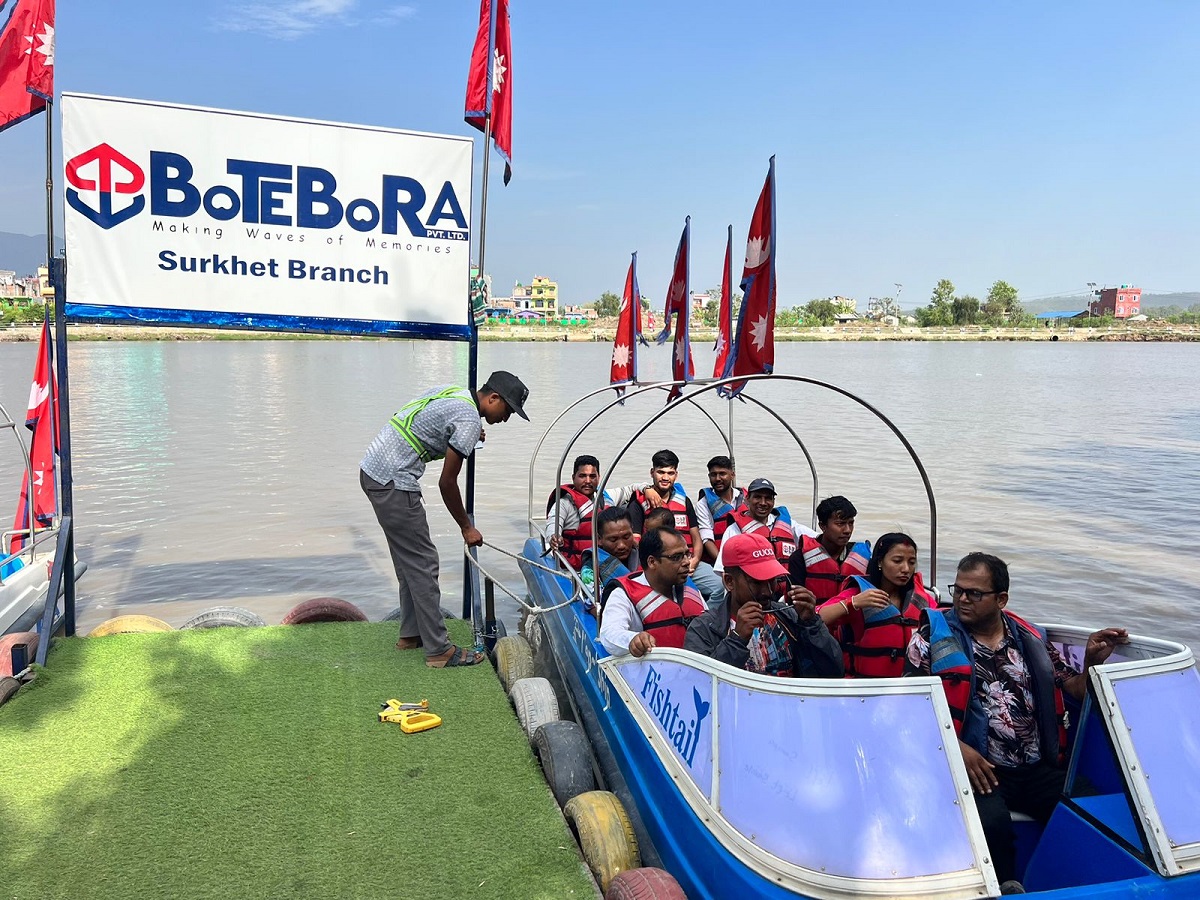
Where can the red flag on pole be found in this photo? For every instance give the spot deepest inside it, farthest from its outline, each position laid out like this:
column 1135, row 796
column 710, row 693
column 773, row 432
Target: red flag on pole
column 725, row 310
column 629, row 332
column 489, row 80
column 754, row 345
column 26, row 58
column 679, row 304
column 40, row 419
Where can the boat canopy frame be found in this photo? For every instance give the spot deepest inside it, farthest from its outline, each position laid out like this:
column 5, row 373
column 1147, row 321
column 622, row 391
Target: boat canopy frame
column 697, row 388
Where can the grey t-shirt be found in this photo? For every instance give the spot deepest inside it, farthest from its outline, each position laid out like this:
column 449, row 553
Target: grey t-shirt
column 440, row 425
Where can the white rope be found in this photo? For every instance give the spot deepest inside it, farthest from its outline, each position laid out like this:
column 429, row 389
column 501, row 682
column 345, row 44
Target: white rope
column 532, row 610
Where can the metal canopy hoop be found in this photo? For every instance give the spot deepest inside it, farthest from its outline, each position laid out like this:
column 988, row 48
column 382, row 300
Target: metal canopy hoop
column 800, row 379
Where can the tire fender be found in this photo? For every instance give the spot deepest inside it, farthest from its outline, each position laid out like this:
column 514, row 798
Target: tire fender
column 514, row 660
column 223, row 617
column 566, row 758
column 323, row 609
column 132, row 624
column 535, row 703
column 605, row 834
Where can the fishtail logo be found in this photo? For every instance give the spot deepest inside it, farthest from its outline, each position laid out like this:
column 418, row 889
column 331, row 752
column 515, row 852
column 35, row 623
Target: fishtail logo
column 116, row 173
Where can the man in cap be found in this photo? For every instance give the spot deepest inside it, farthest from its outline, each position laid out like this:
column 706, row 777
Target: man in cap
column 443, row 423
column 760, row 515
column 753, row 630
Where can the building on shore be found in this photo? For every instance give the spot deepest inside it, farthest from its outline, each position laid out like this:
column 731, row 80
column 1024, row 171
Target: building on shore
column 1120, row 303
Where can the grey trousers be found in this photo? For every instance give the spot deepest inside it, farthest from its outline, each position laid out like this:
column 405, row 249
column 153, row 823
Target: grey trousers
column 401, row 515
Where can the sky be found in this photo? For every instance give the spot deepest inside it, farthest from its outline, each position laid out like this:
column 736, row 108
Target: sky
column 1046, row 144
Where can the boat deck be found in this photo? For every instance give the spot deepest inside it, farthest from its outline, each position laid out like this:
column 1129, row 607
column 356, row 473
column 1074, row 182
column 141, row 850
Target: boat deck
column 250, row 762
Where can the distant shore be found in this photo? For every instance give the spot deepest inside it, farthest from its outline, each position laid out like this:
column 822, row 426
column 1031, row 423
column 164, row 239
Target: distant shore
column 604, row 334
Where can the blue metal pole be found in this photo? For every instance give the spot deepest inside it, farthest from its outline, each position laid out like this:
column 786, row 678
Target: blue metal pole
column 58, row 278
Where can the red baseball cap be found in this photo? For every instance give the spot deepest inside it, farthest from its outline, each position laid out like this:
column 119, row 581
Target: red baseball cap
column 753, row 554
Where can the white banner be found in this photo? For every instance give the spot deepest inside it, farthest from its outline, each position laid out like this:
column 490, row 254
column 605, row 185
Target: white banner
column 184, row 215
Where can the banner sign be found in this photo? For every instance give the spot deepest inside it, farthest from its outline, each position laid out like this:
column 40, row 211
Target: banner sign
column 184, row 215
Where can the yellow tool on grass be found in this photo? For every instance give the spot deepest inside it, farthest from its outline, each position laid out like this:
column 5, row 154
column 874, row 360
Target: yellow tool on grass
column 412, row 717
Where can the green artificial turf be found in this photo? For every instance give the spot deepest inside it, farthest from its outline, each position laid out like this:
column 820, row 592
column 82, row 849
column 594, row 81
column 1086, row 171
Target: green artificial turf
column 249, row 762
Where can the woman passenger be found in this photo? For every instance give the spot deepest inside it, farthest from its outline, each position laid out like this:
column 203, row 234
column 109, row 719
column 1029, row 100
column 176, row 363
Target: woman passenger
column 875, row 615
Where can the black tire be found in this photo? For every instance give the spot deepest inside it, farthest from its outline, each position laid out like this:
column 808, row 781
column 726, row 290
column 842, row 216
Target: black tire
column 323, row 609
column 566, row 759
column 644, row 884
column 225, row 617
column 8, row 687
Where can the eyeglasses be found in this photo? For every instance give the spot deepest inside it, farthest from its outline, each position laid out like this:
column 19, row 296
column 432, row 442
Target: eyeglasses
column 972, row 595
column 675, row 557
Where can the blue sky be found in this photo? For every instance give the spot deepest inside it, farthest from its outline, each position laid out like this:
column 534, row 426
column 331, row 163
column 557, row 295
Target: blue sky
column 1045, row 144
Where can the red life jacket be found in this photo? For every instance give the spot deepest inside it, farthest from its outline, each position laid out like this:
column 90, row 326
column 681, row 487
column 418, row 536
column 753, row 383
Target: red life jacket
column 874, row 642
column 780, row 533
column 824, row 574
column 575, row 540
column 664, row 616
column 678, row 506
column 948, row 659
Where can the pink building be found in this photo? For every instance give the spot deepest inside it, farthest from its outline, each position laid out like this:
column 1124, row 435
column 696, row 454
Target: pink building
column 1120, row 303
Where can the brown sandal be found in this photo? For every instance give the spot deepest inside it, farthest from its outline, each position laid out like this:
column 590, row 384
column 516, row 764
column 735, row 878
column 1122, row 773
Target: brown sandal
column 409, row 643
column 453, row 658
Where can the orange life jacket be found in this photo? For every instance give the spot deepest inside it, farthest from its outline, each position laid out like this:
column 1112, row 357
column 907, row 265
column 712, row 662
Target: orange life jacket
column 779, row 533
column 575, row 540
column 667, row 617
column 874, row 643
column 824, row 574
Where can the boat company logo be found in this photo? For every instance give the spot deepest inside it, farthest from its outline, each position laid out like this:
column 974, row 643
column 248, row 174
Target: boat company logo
column 115, row 173
column 681, row 731
column 262, row 193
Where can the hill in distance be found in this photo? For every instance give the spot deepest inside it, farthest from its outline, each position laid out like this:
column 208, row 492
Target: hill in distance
column 23, row 253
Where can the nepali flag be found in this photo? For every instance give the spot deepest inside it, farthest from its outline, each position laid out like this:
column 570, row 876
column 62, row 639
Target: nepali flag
column 629, row 333
column 754, row 346
column 489, row 80
column 679, row 304
column 26, row 58
column 725, row 309
column 41, row 418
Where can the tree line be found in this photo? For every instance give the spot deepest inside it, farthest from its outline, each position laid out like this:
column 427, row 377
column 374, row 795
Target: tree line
column 1000, row 307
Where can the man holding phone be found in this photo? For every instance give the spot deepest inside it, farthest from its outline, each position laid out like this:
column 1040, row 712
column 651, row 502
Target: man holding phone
column 753, row 630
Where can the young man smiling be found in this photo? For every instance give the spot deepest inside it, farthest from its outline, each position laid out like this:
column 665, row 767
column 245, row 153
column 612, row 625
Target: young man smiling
column 663, row 474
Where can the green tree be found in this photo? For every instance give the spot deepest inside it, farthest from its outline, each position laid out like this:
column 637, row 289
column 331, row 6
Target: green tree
column 965, row 310
column 1002, row 305
column 819, row 312
column 608, row 305
column 940, row 311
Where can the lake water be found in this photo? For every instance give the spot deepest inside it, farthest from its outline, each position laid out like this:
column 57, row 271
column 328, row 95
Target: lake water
column 226, row 473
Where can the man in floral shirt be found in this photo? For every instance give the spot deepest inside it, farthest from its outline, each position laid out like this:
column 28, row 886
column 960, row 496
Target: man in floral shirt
column 1004, row 682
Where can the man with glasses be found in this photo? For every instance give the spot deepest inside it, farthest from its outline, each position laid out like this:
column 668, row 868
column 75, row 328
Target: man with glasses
column 753, row 630
column 1004, row 682
column 653, row 607
column 442, row 424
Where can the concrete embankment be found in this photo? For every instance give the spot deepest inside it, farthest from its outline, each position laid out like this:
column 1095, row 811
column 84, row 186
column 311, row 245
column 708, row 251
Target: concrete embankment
column 604, row 333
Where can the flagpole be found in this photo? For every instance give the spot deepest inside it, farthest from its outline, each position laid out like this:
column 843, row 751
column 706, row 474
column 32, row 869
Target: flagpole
column 49, row 184
column 470, row 585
